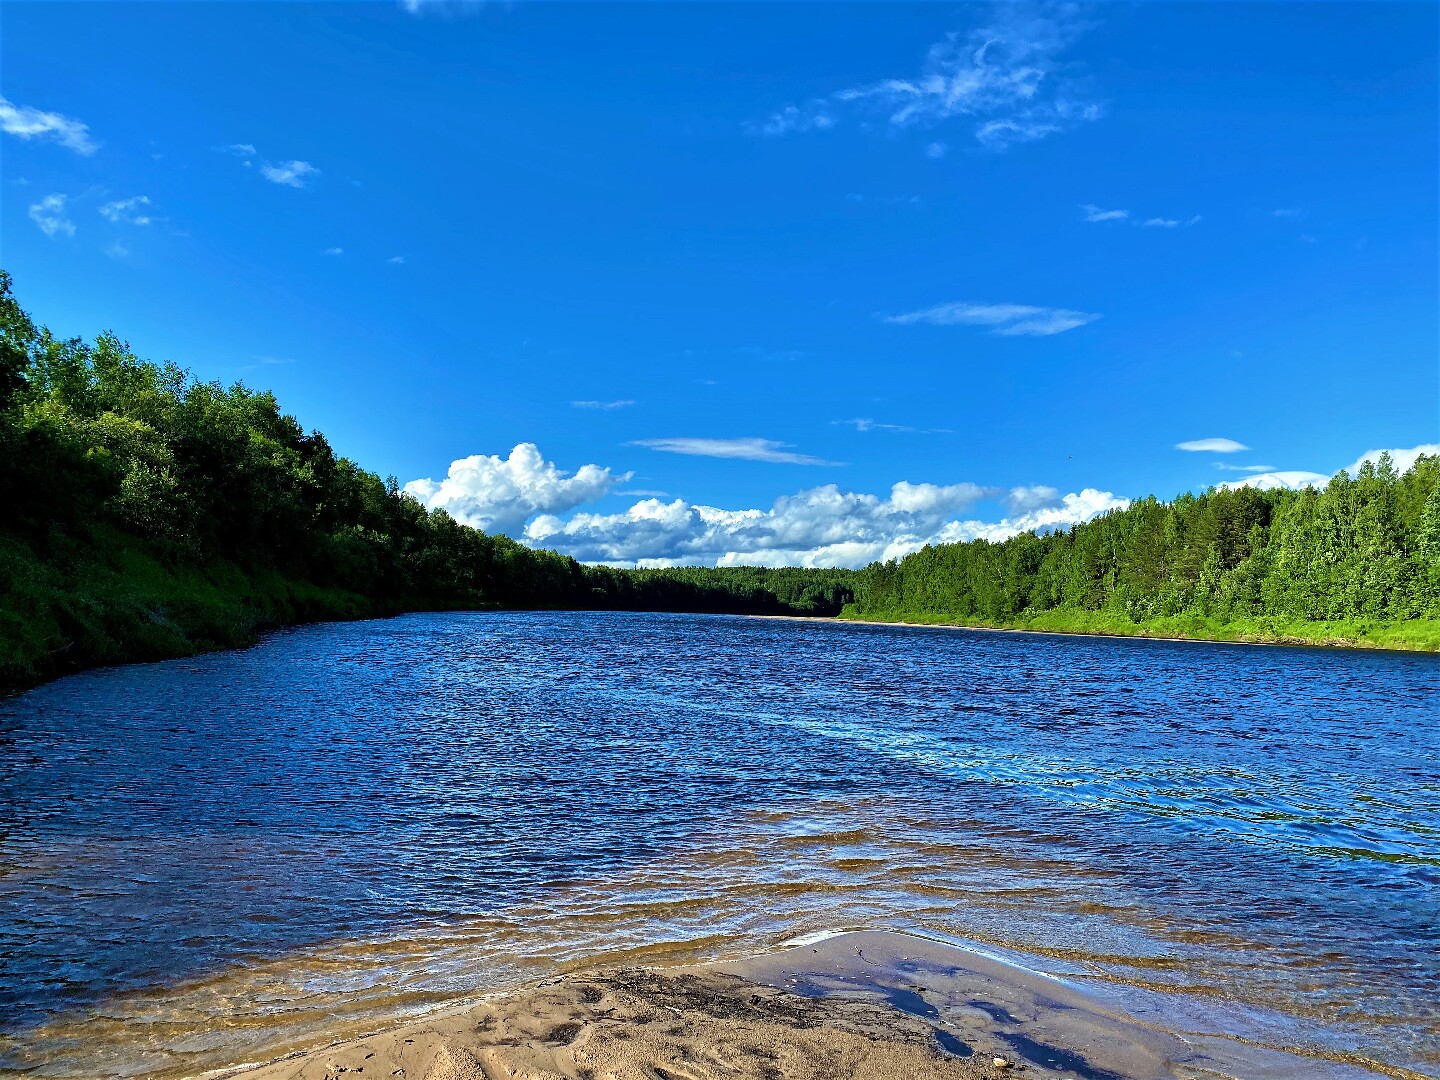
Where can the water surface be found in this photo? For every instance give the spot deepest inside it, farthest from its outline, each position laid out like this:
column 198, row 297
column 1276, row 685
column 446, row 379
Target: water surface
column 216, row 859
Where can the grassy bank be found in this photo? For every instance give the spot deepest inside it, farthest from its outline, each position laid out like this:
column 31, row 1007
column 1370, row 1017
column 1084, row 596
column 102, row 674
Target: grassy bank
column 1411, row 635
column 74, row 609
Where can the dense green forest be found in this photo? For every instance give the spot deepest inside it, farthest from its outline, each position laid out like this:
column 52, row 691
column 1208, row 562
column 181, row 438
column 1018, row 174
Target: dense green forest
column 148, row 514
column 1358, row 561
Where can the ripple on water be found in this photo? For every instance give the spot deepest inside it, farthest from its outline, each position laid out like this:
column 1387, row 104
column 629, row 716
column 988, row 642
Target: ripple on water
column 223, row 857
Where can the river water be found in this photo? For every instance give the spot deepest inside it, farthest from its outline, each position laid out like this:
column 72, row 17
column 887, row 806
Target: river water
column 218, row 859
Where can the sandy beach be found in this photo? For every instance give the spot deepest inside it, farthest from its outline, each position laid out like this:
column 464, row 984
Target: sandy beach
column 858, row 1005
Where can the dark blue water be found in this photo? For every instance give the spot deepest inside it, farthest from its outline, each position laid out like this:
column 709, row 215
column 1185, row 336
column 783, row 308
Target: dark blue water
column 209, row 860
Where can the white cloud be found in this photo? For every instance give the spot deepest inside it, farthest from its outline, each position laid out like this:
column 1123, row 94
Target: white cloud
column 1292, row 480
column 294, row 174
column 1024, row 500
column 501, row 494
column 125, row 210
column 1009, row 320
column 335, row 251
column 1404, row 458
column 1005, row 76
column 743, row 449
column 49, row 214
column 1094, row 213
column 242, row 150
column 623, row 403
column 1214, row 446
column 26, row 122
column 1170, row 223
column 1068, row 510
column 823, row 526
column 117, row 250
column 1225, row 466
column 1289, row 213
column 935, row 151
column 864, row 423
column 396, row 260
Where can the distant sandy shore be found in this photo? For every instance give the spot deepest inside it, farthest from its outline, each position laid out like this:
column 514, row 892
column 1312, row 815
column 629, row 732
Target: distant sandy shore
column 856, row 1006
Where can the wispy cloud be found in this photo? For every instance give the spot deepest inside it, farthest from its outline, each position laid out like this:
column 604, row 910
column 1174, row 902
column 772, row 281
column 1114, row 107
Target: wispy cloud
column 1289, row 213
column 127, row 211
column 294, row 174
column 1212, row 446
column 1225, row 466
column 244, row 151
column 742, row 449
column 935, row 151
column 335, row 251
column 623, row 403
column 396, row 260
column 864, row 423
column 26, row 122
column 1006, row 77
column 117, row 251
column 1096, row 214
column 1008, row 320
column 49, row 215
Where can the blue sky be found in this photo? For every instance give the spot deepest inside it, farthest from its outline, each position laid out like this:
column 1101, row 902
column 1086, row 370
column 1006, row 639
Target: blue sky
column 802, row 252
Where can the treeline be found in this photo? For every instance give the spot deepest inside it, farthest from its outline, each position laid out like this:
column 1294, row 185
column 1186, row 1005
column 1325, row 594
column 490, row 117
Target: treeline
column 148, row 514
column 1360, row 554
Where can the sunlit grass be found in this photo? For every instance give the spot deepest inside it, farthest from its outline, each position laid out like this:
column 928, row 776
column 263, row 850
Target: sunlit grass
column 1416, row 635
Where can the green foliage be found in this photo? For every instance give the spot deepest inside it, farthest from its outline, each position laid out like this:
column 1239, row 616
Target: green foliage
column 1357, row 561
column 148, row 514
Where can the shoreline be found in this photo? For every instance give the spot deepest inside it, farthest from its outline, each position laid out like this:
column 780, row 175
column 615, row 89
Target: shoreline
column 1276, row 641
column 857, row 1005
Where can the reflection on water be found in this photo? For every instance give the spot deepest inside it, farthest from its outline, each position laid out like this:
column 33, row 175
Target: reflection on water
column 215, row 859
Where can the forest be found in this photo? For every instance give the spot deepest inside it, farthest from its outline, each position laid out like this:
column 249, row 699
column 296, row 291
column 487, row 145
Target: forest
column 1356, row 562
column 149, row 514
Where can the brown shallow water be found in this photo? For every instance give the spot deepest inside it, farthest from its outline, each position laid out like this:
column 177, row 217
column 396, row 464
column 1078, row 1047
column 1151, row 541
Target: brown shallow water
column 220, row 859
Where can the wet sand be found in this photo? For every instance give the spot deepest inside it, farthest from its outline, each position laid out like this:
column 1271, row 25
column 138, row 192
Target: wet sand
column 872, row 1004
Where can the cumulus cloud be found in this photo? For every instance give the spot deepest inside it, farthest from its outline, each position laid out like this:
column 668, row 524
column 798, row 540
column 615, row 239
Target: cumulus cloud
column 1006, row 78
column 1404, row 459
column 1094, row 213
column 1213, row 446
column 1025, row 500
column 501, row 494
column 26, row 122
column 823, row 526
column 1290, row 479
column 127, row 211
column 294, row 174
column 623, row 403
column 49, row 215
column 820, row 527
column 750, row 449
column 1008, row 320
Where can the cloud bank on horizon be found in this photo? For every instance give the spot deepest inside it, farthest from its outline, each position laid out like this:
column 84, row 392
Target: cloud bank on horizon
column 524, row 496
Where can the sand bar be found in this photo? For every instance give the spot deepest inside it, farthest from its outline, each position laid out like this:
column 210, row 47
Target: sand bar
column 872, row 1004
